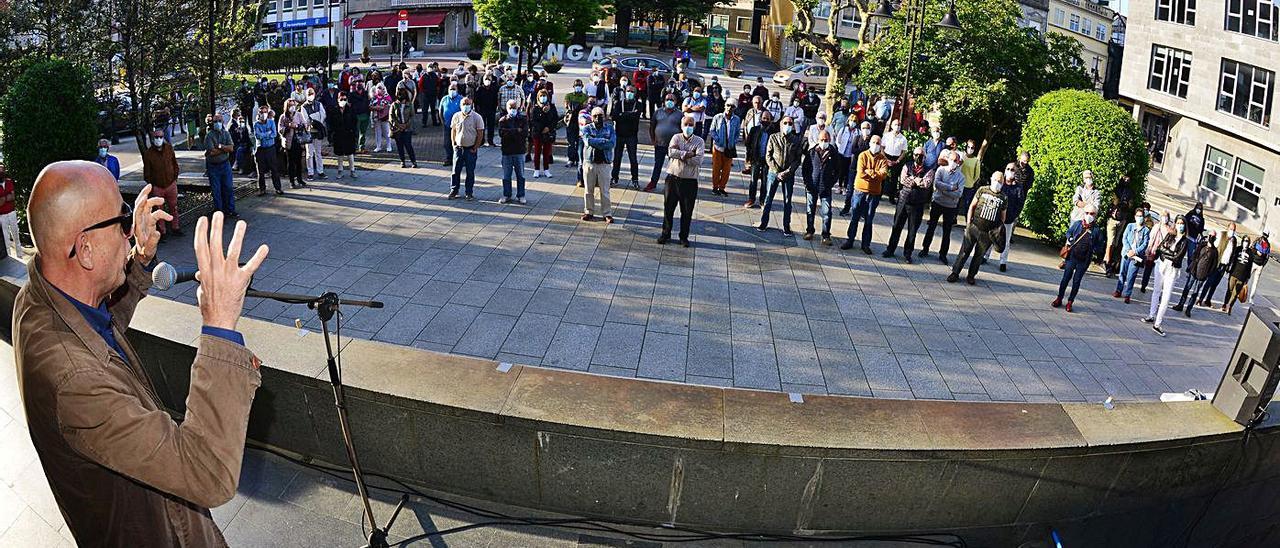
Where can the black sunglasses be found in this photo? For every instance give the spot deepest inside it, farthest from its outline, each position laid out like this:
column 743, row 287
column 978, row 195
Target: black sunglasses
column 124, row 220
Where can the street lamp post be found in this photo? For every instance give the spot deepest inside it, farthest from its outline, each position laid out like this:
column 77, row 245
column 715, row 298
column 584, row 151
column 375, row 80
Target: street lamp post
column 914, row 25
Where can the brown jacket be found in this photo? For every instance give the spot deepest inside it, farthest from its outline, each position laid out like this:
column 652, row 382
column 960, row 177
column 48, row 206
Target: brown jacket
column 872, row 171
column 123, row 472
column 159, row 166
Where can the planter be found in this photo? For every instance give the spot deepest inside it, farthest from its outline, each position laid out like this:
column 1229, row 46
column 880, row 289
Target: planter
column 364, row 59
column 475, row 55
column 552, row 68
column 733, row 73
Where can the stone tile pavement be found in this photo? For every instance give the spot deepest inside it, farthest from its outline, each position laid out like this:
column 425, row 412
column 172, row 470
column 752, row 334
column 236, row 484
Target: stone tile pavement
column 535, row 285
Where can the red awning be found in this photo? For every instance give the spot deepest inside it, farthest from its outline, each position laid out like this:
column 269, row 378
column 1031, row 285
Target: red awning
column 389, row 20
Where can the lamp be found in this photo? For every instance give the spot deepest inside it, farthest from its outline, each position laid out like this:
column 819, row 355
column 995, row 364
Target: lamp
column 950, row 21
column 884, row 10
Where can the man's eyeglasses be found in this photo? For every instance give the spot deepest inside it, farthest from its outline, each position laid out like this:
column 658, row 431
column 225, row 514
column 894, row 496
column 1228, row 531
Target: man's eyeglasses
column 124, row 220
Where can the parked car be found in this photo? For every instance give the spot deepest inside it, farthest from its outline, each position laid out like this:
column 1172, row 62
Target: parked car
column 813, row 75
column 629, row 62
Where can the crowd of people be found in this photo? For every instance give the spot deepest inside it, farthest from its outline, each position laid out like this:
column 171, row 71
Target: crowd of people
column 859, row 151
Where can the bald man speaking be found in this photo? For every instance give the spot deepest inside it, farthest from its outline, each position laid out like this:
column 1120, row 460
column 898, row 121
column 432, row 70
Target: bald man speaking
column 124, row 473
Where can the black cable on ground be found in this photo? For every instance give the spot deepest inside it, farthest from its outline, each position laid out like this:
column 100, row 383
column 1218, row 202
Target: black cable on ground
column 678, row 534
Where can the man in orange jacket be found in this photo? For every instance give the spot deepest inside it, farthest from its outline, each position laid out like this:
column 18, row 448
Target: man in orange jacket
column 873, row 168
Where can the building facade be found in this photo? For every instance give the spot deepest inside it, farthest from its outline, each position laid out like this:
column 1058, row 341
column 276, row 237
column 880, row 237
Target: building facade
column 785, row 51
column 293, row 23
column 1035, row 14
column 1089, row 24
column 433, row 26
column 1201, row 78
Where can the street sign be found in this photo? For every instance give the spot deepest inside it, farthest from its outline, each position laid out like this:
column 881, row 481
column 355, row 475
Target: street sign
column 403, row 15
column 402, row 25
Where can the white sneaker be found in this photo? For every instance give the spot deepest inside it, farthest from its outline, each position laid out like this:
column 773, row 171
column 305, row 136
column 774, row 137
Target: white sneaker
column 521, row 201
column 353, row 174
column 504, row 200
column 339, row 174
column 546, row 173
column 537, row 174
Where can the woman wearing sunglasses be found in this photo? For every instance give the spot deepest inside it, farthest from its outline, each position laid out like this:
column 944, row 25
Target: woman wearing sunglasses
column 90, row 407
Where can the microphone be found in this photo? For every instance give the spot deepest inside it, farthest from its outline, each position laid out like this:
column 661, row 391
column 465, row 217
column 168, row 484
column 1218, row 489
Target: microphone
column 165, row 276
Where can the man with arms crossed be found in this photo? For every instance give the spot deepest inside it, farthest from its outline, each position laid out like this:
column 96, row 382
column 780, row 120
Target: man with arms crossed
column 123, row 472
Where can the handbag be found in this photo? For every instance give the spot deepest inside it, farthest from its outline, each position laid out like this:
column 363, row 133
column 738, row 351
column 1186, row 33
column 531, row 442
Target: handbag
column 1066, row 248
column 1244, row 293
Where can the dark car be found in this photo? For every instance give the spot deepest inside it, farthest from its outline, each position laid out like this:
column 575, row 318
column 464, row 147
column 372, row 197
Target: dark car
column 629, row 62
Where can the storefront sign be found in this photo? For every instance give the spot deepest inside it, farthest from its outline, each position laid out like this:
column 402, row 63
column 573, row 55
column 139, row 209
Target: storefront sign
column 302, row 23
column 575, row 52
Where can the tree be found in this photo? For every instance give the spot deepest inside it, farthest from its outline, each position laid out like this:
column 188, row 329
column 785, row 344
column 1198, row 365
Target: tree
column 1067, row 132
column 236, row 26
column 151, row 43
column 843, row 62
column 47, row 123
column 984, row 78
column 535, row 24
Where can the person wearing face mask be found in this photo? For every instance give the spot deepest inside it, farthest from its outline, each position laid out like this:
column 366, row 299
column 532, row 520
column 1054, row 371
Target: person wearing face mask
column 601, row 141
column 933, row 147
column 820, row 170
column 948, row 187
column 986, row 215
column 360, row 97
column 1226, row 246
column 240, row 140
column 1079, row 251
column 757, row 147
column 9, row 215
column 106, row 159
column 872, row 169
column 743, row 100
column 574, row 102
column 1194, row 220
column 400, row 122
column 342, row 134
column 852, row 144
column 655, row 93
column 715, row 95
column 775, row 106
column 1241, row 268
column 489, row 106
column 895, row 149
column 1016, row 193
column 466, row 133
column 1160, row 225
column 293, row 135
column 513, row 129
column 543, row 118
column 316, row 119
column 217, row 153
column 380, row 117
column 1199, row 266
column 1169, row 255
column 625, row 113
column 913, row 197
column 640, row 79
column 726, row 130
column 685, row 151
column 810, row 104
column 971, row 167
column 796, row 113
column 265, row 154
column 811, row 133
column 428, row 86
column 1086, row 194
column 1135, row 239
column 511, row 92
column 663, row 125
column 450, row 106
column 695, row 107
column 784, row 154
column 1262, row 251
column 159, row 169
column 596, row 88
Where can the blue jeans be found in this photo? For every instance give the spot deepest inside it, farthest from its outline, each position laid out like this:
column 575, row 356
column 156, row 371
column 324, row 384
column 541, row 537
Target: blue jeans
column 788, row 188
column 224, row 195
column 571, row 147
column 864, row 205
column 817, row 203
column 510, row 163
column 1072, row 273
column 464, row 158
column 1128, row 273
column 659, row 158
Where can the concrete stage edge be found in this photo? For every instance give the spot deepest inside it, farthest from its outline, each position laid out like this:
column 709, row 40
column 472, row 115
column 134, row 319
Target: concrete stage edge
column 999, row 474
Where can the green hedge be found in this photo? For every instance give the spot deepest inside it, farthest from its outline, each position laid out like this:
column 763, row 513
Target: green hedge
column 47, row 123
column 1069, row 131
column 282, row 59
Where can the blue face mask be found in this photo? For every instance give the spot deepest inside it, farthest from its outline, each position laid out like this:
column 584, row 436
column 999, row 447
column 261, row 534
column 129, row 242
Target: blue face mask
column 688, row 130
column 466, row 108
column 542, row 100
column 217, row 126
column 697, row 95
column 671, row 104
column 453, row 93
column 630, row 96
column 102, row 151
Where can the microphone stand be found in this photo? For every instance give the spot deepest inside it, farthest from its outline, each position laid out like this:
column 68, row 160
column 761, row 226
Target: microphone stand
column 326, row 306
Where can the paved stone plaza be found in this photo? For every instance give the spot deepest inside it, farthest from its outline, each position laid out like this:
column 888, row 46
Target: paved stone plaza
column 535, row 285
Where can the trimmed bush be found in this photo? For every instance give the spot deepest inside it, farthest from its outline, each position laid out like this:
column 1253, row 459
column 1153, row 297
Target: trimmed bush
column 494, row 53
column 1069, row 131
column 47, row 123
column 285, row 59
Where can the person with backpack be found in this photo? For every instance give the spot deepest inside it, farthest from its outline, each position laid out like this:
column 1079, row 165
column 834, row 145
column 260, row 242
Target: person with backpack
column 1262, row 251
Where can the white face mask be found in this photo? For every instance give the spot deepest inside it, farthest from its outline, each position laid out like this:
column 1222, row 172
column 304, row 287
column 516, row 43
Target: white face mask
column 342, row 103
column 1088, row 219
column 1008, row 175
column 824, row 144
column 866, row 132
column 512, row 111
column 875, row 149
column 996, row 186
column 157, row 141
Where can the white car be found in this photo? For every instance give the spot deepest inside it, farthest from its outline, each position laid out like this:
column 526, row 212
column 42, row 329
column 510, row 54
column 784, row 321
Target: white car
column 813, row 75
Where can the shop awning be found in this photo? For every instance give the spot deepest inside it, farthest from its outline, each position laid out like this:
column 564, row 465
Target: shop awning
column 390, row 20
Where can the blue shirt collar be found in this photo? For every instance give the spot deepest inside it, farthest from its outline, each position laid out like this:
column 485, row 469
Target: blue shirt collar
column 99, row 318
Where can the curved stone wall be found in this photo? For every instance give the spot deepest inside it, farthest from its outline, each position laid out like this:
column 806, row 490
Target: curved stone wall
column 999, row 474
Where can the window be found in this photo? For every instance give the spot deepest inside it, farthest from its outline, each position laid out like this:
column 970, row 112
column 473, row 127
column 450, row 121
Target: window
column 849, row 18
column 1059, row 16
column 319, row 2
column 1075, row 23
column 720, row 20
column 435, row 36
column 1086, row 27
column 1246, row 91
column 1246, row 187
column 378, row 38
column 288, row 4
column 742, row 24
column 804, row 53
column 823, row 10
column 1170, row 70
column 1217, row 170
column 1254, row 17
column 1100, row 33
column 1176, row 11
column 271, row 6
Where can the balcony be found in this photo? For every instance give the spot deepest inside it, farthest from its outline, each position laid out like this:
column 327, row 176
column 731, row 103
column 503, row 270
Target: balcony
column 1042, row 5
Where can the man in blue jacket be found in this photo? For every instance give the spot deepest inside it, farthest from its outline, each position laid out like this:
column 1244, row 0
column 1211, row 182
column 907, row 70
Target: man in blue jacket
column 1132, row 255
column 598, row 139
column 264, row 150
column 449, row 105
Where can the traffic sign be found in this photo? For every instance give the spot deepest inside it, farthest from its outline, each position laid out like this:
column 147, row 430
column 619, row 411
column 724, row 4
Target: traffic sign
column 404, row 15
column 402, row 25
